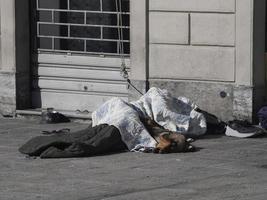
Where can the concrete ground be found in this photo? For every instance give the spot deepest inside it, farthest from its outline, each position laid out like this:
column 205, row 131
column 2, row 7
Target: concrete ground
column 223, row 168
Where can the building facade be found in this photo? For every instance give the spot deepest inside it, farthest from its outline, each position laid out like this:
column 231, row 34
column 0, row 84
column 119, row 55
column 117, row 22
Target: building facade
column 70, row 55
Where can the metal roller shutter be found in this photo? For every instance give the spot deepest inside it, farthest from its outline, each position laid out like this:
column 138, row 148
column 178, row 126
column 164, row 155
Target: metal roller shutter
column 77, row 53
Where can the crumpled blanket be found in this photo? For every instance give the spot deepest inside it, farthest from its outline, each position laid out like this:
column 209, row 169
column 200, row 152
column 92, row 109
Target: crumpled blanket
column 175, row 114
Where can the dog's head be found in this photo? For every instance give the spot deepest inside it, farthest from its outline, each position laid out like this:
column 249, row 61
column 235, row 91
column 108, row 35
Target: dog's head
column 171, row 142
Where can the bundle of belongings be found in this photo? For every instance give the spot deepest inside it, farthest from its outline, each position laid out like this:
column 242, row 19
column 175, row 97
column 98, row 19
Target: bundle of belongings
column 176, row 115
column 262, row 116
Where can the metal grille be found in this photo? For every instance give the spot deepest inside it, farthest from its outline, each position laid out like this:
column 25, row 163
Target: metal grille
column 82, row 26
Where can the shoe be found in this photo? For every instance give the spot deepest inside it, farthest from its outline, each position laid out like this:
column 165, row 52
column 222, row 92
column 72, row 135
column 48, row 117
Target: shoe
column 53, row 117
column 242, row 129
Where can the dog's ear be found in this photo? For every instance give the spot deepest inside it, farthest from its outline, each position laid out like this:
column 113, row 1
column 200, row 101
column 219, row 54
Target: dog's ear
column 165, row 135
column 163, row 143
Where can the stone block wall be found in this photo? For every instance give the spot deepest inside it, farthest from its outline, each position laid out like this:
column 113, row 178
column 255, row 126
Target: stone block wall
column 14, row 56
column 192, row 40
column 207, row 50
column 7, row 65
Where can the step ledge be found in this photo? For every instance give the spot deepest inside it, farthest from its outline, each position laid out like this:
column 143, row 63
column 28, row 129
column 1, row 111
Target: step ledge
column 71, row 114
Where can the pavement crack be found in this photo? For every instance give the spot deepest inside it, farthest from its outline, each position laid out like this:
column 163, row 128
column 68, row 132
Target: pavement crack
column 129, row 192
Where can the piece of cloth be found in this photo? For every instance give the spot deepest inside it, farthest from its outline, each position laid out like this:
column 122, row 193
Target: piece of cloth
column 175, row 114
column 262, row 116
column 242, row 129
column 88, row 142
column 214, row 125
column 59, row 131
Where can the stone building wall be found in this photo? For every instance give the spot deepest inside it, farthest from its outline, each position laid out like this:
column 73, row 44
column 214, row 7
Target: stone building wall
column 211, row 51
column 15, row 56
column 191, row 40
column 203, row 50
column 7, row 65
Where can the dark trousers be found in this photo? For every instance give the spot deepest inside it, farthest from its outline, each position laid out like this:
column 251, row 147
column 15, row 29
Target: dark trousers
column 91, row 141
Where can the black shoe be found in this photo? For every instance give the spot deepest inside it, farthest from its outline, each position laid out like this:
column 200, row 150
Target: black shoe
column 53, row 117
column 242, row 129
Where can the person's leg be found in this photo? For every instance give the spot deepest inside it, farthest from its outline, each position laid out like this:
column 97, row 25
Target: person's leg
column 87, row 142
column 107, row 140
column 100, row 139
column 36, row 145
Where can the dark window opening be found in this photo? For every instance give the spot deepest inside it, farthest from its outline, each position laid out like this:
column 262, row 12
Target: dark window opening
column 83, row 26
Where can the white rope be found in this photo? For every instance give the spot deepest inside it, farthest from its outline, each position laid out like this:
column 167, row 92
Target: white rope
column 123, row 70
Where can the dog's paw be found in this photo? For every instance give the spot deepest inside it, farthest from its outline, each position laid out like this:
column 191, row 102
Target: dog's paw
column 159, row 150
column 190, row 148
column 190, row 140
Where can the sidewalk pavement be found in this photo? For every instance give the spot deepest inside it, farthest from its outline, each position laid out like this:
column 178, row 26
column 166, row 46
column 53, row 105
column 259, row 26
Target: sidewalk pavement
column 224, row 168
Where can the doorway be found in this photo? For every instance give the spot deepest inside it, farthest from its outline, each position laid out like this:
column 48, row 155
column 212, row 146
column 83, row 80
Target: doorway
column 77, row 52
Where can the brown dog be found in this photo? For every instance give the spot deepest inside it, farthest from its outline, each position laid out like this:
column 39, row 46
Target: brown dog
column 168, row 141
